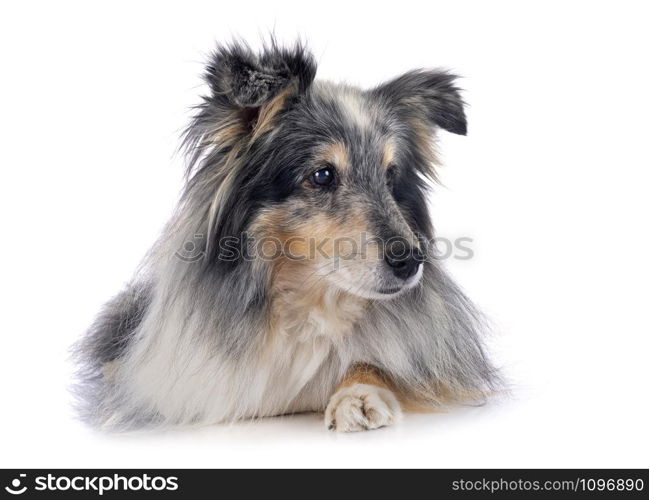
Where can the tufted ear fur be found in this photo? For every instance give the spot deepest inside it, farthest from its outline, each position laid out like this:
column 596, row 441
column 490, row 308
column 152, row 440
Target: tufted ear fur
column 248, row 80
column 247, row 85
column 430, row 94
column 248, row 92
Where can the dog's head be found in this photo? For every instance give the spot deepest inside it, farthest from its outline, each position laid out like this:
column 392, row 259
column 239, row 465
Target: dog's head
column 318, row 177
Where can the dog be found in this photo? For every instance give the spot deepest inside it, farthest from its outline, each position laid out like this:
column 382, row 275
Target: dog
column 297, row 273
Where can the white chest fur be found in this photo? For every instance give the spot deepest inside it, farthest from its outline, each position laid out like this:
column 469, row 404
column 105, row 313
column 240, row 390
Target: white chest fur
column 305, row 328
column 183, row 380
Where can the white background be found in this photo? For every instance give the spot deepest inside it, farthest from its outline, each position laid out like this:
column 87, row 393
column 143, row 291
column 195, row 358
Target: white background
column 551, row 183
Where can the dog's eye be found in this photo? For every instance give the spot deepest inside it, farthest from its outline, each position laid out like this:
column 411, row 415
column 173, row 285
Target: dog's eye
column 324, row 176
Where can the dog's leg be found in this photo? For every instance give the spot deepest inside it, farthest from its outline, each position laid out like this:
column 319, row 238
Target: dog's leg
column 362, row 401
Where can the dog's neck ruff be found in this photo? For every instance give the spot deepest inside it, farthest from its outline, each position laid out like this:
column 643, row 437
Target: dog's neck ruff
column 312, row 311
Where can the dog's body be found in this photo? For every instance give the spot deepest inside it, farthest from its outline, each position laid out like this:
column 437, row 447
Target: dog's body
column 332, row 318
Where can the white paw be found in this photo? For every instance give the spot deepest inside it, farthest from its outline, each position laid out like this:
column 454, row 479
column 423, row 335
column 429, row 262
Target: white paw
column 361, row 407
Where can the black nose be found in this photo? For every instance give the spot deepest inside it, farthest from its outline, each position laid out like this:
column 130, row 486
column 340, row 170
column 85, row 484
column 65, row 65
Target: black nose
column 404, row 263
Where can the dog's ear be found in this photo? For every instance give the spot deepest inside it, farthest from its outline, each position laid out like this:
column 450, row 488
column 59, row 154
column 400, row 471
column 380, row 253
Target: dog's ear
column 249, row 90
column 250, row 80
column 432, row 95
column 248, row 93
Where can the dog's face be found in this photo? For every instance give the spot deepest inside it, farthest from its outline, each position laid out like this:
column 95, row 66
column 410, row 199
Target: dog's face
column 327, row 181
column 340, row 160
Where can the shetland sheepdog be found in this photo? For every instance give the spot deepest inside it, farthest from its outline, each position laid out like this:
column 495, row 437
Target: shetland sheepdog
column 297, row 273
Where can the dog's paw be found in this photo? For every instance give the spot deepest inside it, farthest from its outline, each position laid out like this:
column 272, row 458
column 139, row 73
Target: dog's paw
column 361, row 407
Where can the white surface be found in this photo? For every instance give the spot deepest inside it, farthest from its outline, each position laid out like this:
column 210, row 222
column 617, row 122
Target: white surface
column 551, row 183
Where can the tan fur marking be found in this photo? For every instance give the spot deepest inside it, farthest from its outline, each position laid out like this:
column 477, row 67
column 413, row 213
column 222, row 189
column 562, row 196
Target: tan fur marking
column 425, row 141
column 434, row 396
column 270, row 110
column 278, row 223
column 301, row 300
column 389, row 153
column 431, row 399
column 336, row 154
column 365, row 374
column 229, row 131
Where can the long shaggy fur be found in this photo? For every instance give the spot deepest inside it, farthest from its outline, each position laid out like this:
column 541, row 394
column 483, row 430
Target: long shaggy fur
column 196, row 337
